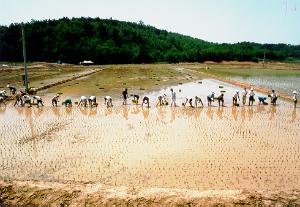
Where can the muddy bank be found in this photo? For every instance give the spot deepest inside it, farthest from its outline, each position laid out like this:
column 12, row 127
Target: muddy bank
column 75, row 77
column 36, row 193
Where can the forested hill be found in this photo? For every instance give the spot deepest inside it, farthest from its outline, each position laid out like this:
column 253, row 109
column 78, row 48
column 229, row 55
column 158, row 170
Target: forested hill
column 110, row 41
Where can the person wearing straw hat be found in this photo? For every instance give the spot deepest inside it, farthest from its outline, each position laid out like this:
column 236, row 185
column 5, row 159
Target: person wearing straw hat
column 295, row 98
column 55, row 100
column 274, row 97
column 12, row 89
column 251, row 97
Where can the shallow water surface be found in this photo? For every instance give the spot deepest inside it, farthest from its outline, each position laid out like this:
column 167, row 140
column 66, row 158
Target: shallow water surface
column 250, row 148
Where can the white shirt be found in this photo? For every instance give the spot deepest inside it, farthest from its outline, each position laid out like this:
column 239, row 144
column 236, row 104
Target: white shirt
column 93, row 97
column 26, row 98
column 37, row 98
column 252, row 93
column 108, row 98
column 236, row 95
column 273, row 95
column 244, row 93
column 82, row 98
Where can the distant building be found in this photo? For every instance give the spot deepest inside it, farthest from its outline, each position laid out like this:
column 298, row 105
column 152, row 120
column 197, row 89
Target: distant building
column 86, row 62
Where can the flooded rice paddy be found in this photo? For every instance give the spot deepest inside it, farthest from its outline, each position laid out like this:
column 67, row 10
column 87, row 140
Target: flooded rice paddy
column 250, row 148
column 286, row 84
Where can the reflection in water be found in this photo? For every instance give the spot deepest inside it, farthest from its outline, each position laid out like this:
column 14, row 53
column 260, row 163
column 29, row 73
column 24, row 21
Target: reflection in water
column 220, row 112
column 294, row 115
column 108, row 111
column 173, row 114
column 125, row 112
column 29, row 118
column 250, row 112
column 135, row 110
column 83, row 111
column 132, row 150
column 2, row 109
column 209, row 113
column 93, row 112
column 243, row 114
column 39, row 111
column 261, row 108
column 273, row 110
column 68, row 110
column 234, row 113
column 56, row 111
column 161, row 111
column 146, row 112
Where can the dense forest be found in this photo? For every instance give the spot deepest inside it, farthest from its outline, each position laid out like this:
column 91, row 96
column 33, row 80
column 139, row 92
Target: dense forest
column 106, row 41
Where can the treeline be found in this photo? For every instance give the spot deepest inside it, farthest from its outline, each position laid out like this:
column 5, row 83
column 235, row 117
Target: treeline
column 107, row 41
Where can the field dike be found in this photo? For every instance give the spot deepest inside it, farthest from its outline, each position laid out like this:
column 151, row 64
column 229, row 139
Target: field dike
column 95, row 194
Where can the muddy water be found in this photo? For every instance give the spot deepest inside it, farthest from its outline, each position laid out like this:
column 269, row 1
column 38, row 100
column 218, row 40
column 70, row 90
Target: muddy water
column 251, row 148
column 285, row 84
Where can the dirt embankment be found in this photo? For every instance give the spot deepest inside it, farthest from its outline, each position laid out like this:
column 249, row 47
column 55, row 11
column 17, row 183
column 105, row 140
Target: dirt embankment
column 92, row 194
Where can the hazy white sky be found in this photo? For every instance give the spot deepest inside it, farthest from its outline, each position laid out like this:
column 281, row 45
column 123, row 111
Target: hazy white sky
column 263, row 21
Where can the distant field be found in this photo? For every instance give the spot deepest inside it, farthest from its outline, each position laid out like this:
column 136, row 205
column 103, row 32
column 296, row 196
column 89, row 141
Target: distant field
column 284, row 77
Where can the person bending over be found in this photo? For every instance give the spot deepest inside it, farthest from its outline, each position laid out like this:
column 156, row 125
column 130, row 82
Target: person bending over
column 93, row 101
column 108, row 101
column 221, row 100
column 189, row 100
column 82, row 101
column 146, row 101
column 68, row 102
column 198, row 100
column 262, row 100
column 210, row 98
column 26, row 100
column 38, row 100
column 55, row 100
column 236, row 98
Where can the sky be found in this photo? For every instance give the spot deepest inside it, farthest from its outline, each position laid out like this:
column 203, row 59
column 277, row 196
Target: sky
column 222, row 21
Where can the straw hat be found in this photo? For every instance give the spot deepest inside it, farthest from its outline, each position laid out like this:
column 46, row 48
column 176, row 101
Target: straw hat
column 251, row 89
column 295, row 92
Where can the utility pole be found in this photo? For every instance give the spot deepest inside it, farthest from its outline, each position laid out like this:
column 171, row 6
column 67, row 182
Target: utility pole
column 264, row 59
column 25, row 77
